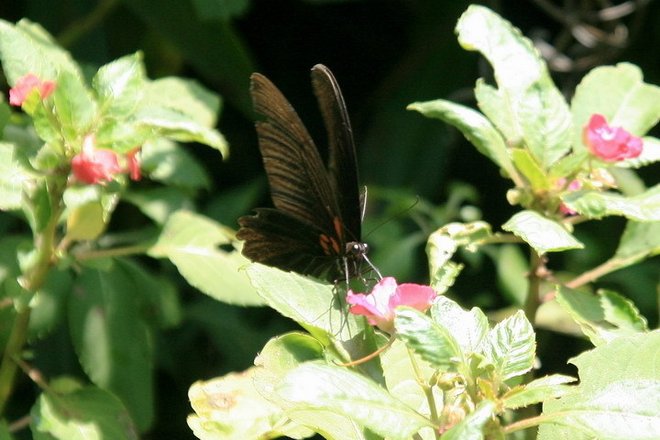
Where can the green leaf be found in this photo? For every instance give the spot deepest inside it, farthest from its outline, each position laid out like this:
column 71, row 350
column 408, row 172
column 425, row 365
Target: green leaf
column 618, row 396
column 537, row 391
column 27, row 48
column 13, row 178
column 527, row 165
column 403, row 377
column 231, row 408
column 474, row 126
column 75, row 107
column 120, row 86
column 638, row 241
column 320, row 309
column 439, row 249
column 512, row 268
column 48, row 305
column 191, row 242
column 112, row 341
column 603, row 316
column 511, row 346
column 181, row 110
column 85, row 222
column 159, row 203
column 444, row 242
column 468, row 328
column 644, row 207
column 168, row 162
column 541, row 233
column 339, row 390
column 618, row 93
column 432, row 341
column 86, row 413
column 537, row 109
column 472, row 426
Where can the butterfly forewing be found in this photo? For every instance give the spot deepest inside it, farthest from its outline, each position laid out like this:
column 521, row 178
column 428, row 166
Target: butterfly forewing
column 317, row 207
column 296, row 174
column 342, row 161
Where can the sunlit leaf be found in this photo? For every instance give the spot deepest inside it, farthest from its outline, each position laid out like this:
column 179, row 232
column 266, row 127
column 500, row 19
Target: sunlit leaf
column 541, row 233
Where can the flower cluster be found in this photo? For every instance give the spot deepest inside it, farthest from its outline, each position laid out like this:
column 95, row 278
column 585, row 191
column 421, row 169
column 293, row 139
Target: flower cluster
column 385, row 297
column 611, row 144
column 99, row 166
column 26, row 85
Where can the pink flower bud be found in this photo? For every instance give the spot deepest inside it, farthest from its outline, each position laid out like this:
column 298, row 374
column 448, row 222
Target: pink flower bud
column 610, row 144
column 94, row 165
column 25, row 85
column 133, row 164
column 379, row 305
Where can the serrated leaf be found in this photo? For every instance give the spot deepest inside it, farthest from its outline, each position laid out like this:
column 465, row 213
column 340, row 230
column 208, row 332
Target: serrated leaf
column 192, row 243
column 27, row 48
column 402, row 376
column 159, row 203
column 638, row 241
column 433, row 342
column 511, row 346
column 231, row 408
column 168, row 162
column 181, row 110
column 620, row 94
column 468, row 328
column 76, row 108
column 112, row 341
column 474, row 126
column 643, row 207
column 120, row 86
column 13, row 177
column 539, row 111
column 537, row 391
column 618, row 396
column 541, row 233
column 471, row 427
column 603, row 316
column 87, row 413
column 339, row 390
column 443, row 272
column 319, row 309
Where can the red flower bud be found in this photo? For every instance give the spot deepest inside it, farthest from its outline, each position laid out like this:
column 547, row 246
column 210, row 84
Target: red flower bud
column 25, row 85
column 94, row 165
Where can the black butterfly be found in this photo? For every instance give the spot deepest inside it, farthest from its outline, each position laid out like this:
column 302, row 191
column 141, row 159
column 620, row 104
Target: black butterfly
column 314, row 228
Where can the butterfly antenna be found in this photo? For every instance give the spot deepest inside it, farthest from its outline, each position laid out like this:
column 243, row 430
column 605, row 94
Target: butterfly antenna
column 397, row 215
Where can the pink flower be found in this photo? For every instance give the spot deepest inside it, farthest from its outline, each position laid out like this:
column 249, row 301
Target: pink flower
column 610, row 144
column 133, row 164
column 25, row 85
column 379, row 305
column 94, row 165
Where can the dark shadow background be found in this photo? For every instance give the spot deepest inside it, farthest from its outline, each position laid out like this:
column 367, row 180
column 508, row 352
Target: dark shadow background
column 385, row 55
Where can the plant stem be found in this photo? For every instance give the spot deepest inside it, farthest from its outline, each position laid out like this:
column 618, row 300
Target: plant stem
column 114, row 252
column 31, row 281
column 428, row 392
column 532, row 301
column 14, row 346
